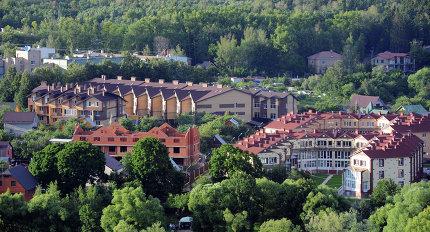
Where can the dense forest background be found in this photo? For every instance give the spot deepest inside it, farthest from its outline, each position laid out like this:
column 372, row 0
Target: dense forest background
column 238, row 35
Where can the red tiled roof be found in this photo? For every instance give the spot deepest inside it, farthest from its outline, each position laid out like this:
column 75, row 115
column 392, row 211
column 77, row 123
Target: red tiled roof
column 393, row 145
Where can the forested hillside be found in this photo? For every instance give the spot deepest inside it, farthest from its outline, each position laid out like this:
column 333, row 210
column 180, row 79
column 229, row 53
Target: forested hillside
column 238, row 35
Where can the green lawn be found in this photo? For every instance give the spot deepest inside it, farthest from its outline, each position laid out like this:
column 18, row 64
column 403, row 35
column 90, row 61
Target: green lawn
column 335, row 181
column 319, row 178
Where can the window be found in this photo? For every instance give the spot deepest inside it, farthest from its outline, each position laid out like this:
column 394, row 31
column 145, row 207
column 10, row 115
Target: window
column 162, row 140
column 111, row 139
column 240, row 105
column 97, row 103
column 401, row 161
column 123, row 139
column 1, row 183
column 381, row 162
column 338, row 143
column 273, row 103
column 176, row 150
column 206, row 106
column 401, row 173
column 256, row 114
column 273, row 116
column 264, row 106
column 226, row 105
column 176, row 140
column 273, row 160
column 83, row 138
column 13, row 183
column 424, row 134
column 32, row 62
column 97, row 139
column 122, row 149
column 89, row 103
column 381, row 175
column 135, row 139
column 256, row 103
column 112, row 149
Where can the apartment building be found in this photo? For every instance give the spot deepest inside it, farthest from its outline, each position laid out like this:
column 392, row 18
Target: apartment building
column 416, row 124
column 56, row 102
column 394, row 61
column 392, row 156
column 28, row 58
column 324, row 142
column 135, row 98
column 116, row 141
column 317, row 151
column 309, row 121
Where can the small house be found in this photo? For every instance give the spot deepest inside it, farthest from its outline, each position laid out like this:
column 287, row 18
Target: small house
column 18, row 123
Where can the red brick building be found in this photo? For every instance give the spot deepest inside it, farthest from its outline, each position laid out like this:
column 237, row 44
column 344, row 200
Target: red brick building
column 6, row 151
column 115, row 140
column 18, row 180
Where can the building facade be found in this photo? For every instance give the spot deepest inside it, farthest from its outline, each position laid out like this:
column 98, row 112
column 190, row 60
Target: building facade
column 18, row 123
column 387, row 156
column 135, row 98
column 394, row 61
column 321, row 61
column 18, row 179
column 116, row 141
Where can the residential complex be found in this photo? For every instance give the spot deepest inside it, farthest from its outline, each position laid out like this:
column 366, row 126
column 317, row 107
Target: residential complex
column 321, row 61
column 388, row 156
column 394, row 61
column 116, row 141
column 55, row 102
column 332, row 142
column 105, row 100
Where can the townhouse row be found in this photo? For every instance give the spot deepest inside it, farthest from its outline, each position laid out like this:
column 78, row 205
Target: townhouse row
column 104, row 100
column 345, row 143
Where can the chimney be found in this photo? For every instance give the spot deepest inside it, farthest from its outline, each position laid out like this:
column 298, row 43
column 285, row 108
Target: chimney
column 132, row 78
column 53, row 86
column 189, row 83
column 49, row 88
column 175, row 82
column 204, row 84
column 119, row 78
column 161, row 81
column 147, row 80
column 104, row 77
column 61, row 89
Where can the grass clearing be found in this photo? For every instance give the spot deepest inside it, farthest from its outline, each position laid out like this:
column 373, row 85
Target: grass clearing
column 335, row 181
column 319, row 177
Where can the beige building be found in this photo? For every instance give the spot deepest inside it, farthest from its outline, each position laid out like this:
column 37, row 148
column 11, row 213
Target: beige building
column 387, row 156
column 28, row 58
column 319, row 63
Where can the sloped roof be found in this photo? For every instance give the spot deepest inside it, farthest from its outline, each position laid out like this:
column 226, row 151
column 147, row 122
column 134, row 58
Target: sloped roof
column 417, row 109
column 112, row 163
column 23, row 176
column 363, row 100
column 390, row 55
column 19, row 117
column 326, row 55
